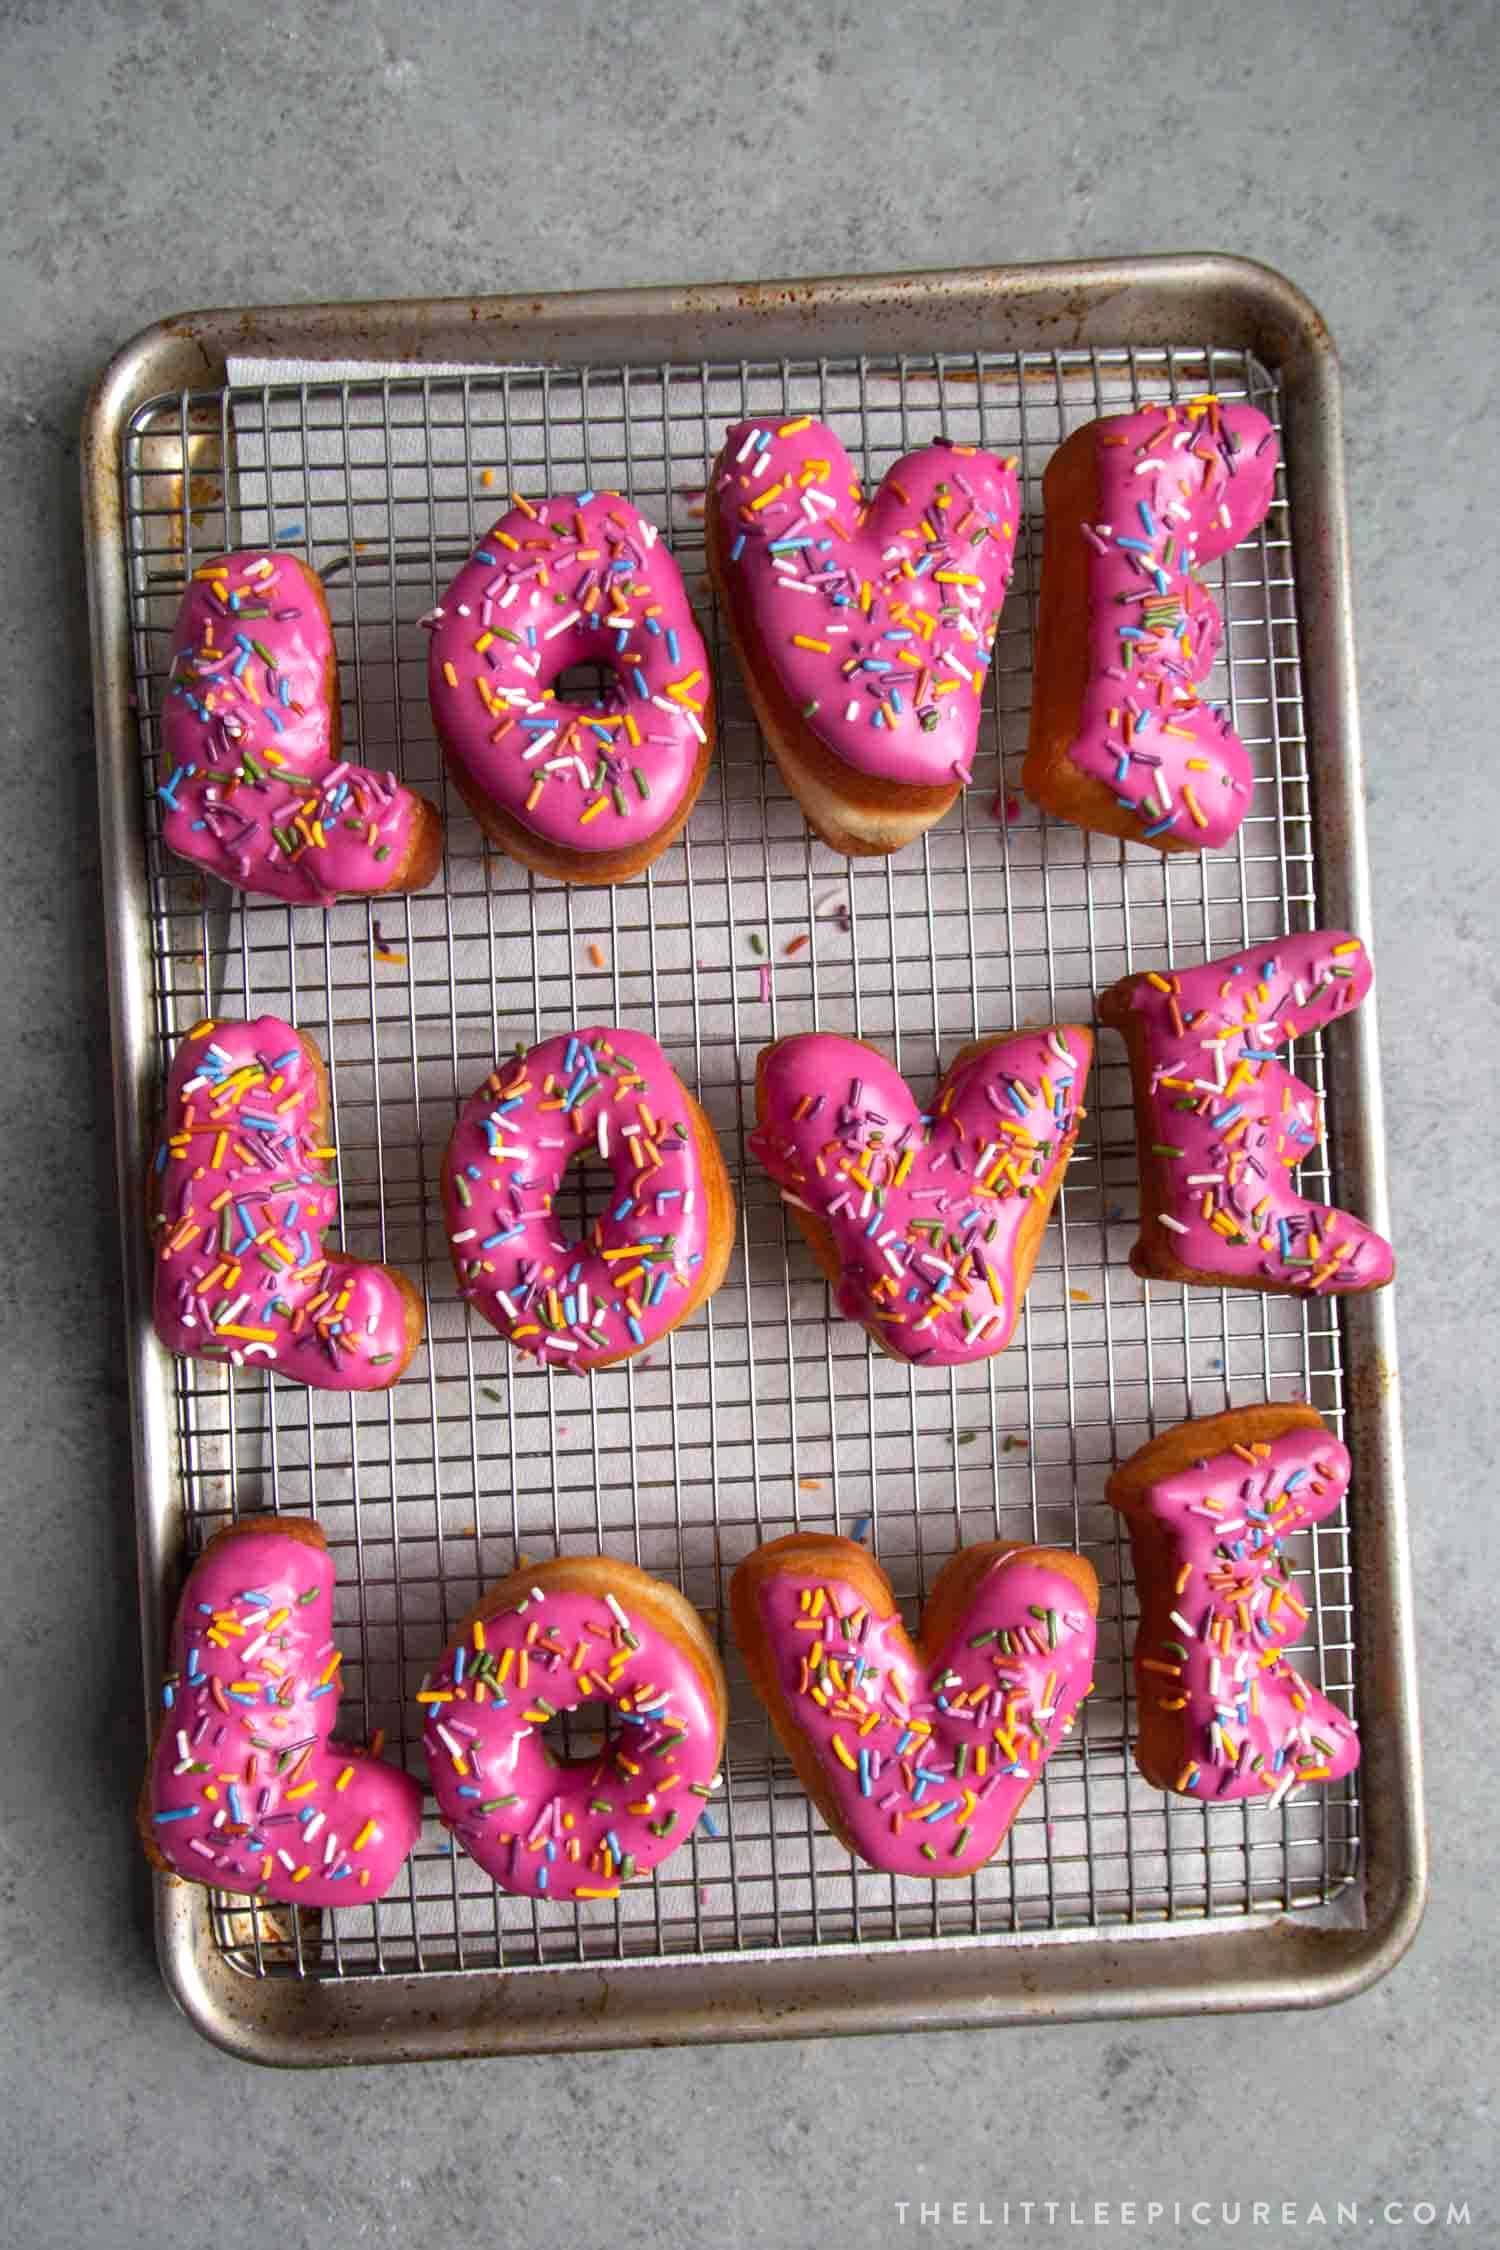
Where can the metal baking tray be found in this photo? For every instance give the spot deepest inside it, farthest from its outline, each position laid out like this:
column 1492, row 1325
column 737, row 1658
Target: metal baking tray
column 378, row 440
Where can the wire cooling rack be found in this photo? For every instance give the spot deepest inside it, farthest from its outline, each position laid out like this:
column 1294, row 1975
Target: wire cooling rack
column 766, row 1412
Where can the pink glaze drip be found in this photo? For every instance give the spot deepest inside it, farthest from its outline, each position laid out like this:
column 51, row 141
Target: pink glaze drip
column 242, row 1194
column 245, row 1790
column 1227, row 1121
column 926, row 1206
column 1251, row 1726
column 254, row 791
column 878, row 619
column 569, row 1829
column 613, row 1095
column 580, row 579
column 1178, row 487
column 928, row 1761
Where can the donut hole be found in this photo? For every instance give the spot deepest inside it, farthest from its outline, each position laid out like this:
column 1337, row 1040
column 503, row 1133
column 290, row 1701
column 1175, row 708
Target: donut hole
column 593, row 686
column 578, row 1738
column 586, row 1192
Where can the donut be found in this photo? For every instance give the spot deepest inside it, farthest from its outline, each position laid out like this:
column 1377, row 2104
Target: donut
column 927, row 1222
column 585, row 792
column 245, row 1789
column 1221, row 1714
column 239, row 1203
column 1126, row 633
column 550, row 1639
column 1220, row 1123
column 918, row 1754
column 863, row 630
column 649, row 1261
column 258, row 790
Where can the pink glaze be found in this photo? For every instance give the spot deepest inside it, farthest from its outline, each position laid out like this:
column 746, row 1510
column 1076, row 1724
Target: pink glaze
column 255, row 792
column 242, row 1203
column 1227, row 1121
column 614, row 1095
column 1251, row 1726
column 245, row 1790
column 578, row 1828
column 926, row 1206
column 928, row 1759
column 580, row 579
column 1178, row 487
column 878, row 619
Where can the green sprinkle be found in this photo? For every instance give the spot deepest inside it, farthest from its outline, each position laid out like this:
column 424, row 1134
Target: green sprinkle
column 757, row 942
column 495, row 1804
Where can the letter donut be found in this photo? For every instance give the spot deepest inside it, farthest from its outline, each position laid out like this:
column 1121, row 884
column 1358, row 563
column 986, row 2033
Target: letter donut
column 1120, row 739
column 245, row 1791
column 658, row 1251
column 863, row 629
column 556, row 1636
column 926, row 1220
column 583, row 792
column 239, row 1204
column 258, row 790
column 918, row 1755
column 1222, row 1715
column 1220, row 1123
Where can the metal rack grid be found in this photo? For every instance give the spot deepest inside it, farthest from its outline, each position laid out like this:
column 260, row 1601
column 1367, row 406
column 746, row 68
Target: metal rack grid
column 766, row 1412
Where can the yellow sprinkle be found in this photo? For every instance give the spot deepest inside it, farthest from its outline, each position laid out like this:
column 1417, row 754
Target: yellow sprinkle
column 363, row 1837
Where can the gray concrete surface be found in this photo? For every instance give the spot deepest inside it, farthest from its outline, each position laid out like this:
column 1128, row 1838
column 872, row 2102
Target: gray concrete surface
column 161, row 155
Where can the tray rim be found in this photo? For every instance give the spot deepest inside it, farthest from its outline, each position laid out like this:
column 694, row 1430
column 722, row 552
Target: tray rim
column 1278, row 1961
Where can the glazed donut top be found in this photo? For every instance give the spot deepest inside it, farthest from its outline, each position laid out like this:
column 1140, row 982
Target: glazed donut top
column 580, row 1828
column 925, row 1206
column 580, row 579
column 878, row 617
column 256, row 792
column 245, row 1791
column 1177, row 486
column 1229, row 1119
column 611, row 1093
column 929, row 1760
column 1258, row 1727
column 243, row 1201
